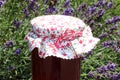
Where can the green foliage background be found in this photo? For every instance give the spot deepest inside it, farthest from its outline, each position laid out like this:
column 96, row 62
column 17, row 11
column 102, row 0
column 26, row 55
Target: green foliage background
column 21, row 63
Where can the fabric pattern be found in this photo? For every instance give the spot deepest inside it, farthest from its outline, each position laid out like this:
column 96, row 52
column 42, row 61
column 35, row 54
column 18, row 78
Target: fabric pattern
column 62, row 36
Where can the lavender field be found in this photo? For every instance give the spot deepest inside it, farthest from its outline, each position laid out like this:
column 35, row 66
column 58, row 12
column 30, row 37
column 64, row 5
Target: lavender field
column 103, row 16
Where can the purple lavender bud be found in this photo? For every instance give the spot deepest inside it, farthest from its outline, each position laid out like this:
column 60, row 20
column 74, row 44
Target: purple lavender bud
column 100, row 13
column 26, row 12
column 1, row 3
column 67, row 3
column 109, row 5
column 17, row 51
column 111, row 66
column 100, row 3
column 31, row 5
column 118, row 43
column 93, row 9
column 116, row 49
column 109, row 21
column 99, row 25
column 103, row 35
column 51, row 9
column 115, row 77
column 115, row 27
column 16, row 23
column 82, row 6
column 100, row 70
column 92, row 22
column 9, row 44
column 90, row 74
column 108, row 44
column 68, row 11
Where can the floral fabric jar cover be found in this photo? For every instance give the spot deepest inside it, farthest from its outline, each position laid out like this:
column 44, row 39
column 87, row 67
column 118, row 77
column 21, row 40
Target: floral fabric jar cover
column 62, row 36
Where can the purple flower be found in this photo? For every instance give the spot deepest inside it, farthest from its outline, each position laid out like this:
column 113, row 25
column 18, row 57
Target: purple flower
column 26, row 12
column 99, row 25
column 2, row 2
column 17, row 51
column 115, row 27
column 67, row 3
column 51, row 9
column 68, row 11
column 31, row 5
column 91, row 74
column 109, row 21
column 99, row 3
column 93, row 9
column 100, row 13
column 108, row 44
column 100, row 70
column 9, row 44
column 115, row 77
column 103, row 35
column 116, row 49
column 92, row 22
column 82, row 6
column 113, row 20
column 111, row 66
column 118, row 42
column 16, row 23
column 109, row 5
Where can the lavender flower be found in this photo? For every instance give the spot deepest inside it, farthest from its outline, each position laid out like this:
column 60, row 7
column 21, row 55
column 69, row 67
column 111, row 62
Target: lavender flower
column 31, row 5
column 67, row 3
column 111, row 66
column 109, row 5
column 93, row 9
column 99, row 3
column 26, row 12
column 116, row 48
column 118, row 42
column 82, row 6
column 108, row 44
column 50, row 10
column 16, row 23
column 99, row 25
column 115, row 76
column 91, row 74
column 92, row 22
column 68, row 11
column 2, row 2
column 100, row 13
column 115, row 27
column 103, row 35
column 114, row 19
column 17, row 51
column 8, row 44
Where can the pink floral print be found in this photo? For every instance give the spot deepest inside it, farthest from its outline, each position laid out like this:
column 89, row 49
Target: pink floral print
column 62, row 36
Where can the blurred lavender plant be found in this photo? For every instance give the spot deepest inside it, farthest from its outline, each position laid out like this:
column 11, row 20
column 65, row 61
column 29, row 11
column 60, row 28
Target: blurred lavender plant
column 17, row 51
column 2, row 2
column 8, row 44
column 104, row 72
column 17, row 23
